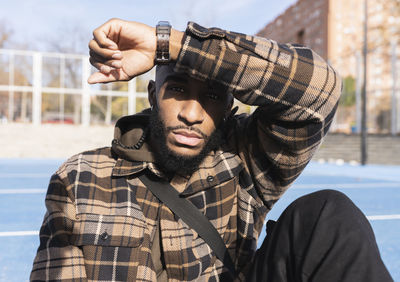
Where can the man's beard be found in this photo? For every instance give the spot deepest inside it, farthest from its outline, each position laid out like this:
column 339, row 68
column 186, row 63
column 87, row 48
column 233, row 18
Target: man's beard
column 170, row 162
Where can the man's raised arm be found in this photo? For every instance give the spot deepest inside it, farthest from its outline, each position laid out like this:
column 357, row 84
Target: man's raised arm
column 121, row 50
column 295, row 90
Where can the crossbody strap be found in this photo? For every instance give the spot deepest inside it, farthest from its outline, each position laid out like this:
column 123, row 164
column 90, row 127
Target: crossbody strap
column 191, row 216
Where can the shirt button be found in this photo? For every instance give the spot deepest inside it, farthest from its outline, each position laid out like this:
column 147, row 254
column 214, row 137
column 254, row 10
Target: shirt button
column 210, row 178
column 104, row 236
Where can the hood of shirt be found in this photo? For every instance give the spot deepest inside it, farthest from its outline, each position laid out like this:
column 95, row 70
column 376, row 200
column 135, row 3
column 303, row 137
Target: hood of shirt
column 129, row 130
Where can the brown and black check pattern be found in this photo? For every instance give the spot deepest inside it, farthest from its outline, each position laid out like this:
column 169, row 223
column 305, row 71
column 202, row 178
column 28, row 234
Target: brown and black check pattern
column 100, row 220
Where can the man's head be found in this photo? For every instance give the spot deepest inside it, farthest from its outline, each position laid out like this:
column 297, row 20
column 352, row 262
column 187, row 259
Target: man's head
column 186, row 115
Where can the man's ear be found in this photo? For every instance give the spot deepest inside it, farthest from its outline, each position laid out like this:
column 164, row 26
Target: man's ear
column 151, row 90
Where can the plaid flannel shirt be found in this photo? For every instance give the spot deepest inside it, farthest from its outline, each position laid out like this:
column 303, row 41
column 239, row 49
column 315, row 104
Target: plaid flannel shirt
column 100, row 221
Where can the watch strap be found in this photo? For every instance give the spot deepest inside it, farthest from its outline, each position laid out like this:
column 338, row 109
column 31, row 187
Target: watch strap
column 163, row 32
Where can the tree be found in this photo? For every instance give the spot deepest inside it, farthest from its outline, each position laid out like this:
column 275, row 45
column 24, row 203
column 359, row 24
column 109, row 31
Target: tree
column 383, row 30
column 5, row 34
column 348, row 97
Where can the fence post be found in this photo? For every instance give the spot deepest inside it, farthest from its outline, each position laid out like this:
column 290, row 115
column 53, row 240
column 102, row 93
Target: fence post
column 393, row 123
column 11, row 91
column 37, row 89
column 109, row 105
column 132, row 96
column 358, row 91
column 62, row 86
column 85, row 91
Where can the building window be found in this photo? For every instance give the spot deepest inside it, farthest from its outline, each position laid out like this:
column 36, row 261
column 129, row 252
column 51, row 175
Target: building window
column 300, row 37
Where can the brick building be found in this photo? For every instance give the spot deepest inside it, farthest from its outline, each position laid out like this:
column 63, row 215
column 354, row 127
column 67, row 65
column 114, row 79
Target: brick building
column 334, row 29
column 305, row 22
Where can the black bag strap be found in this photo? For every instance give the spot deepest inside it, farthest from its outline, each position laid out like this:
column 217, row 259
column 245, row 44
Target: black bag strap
column 191, row 216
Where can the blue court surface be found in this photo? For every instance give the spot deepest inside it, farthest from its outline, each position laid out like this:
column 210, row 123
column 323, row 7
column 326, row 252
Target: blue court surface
column 375, row 189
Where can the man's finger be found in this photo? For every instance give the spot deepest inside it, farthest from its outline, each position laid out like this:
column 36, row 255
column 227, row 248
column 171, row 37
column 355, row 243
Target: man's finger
column 105, row 53
column 100, row 36
column 100, row 66
column 114, row 75
column 99, row 77
column 98, row 63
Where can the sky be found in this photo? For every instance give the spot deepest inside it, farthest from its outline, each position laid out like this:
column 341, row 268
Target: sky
column 36, row 24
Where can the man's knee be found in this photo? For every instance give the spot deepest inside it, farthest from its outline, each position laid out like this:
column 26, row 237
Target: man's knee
column 330, row 205
column 324, row 198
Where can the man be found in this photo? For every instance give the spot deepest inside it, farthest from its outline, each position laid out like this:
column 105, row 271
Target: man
column 103, row 223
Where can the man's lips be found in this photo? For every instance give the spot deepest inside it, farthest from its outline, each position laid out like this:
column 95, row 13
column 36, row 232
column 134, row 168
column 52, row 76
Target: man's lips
column 187, row 137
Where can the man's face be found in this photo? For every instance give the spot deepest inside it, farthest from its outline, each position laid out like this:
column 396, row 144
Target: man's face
column 189, row 109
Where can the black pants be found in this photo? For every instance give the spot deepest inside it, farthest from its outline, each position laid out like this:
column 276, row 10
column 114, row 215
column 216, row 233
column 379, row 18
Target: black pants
column 322, row 236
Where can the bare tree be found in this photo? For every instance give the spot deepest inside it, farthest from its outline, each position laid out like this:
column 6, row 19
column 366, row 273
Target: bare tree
column 5, row 33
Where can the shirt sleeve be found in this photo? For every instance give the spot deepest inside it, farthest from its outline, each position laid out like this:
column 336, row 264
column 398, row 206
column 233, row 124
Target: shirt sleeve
column 295, row 90
column 56, row 258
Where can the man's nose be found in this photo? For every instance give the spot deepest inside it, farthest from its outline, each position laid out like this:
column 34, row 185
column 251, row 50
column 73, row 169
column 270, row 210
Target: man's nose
column 192, row 111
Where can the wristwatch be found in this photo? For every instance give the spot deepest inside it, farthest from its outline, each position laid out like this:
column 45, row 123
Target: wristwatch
column 163, row 31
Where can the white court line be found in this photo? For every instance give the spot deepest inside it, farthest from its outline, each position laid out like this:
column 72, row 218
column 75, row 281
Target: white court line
column 347, row 185
column 353, row 175
column 383, row 217
column 25, row 175
column 18, row 233
column 22, row 191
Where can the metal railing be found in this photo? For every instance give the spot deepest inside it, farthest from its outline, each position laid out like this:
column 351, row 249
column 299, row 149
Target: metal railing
column 37, row 87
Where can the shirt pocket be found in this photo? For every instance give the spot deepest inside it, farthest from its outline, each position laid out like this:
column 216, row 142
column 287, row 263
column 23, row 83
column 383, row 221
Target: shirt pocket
column 108, row 230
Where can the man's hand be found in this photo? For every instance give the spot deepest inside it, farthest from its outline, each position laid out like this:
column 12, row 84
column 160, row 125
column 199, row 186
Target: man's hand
column 121, row 50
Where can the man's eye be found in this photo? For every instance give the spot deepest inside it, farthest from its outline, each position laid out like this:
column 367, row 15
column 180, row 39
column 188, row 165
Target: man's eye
column 177, row 89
